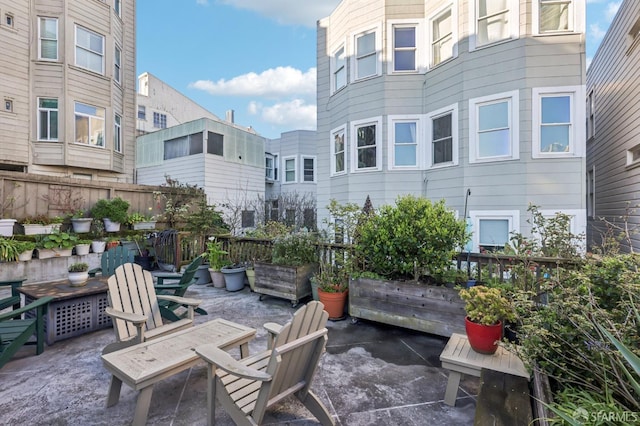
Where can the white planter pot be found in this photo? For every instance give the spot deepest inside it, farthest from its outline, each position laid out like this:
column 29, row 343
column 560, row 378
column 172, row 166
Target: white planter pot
column 25, row 255
column 81, row 224
column 60, row 252
column 144, row 225
column 82, row 249
column 98, row 246
column 6, row 227
column 45, row 253
column 110, row 226
column 37, row 229
column 78, row 279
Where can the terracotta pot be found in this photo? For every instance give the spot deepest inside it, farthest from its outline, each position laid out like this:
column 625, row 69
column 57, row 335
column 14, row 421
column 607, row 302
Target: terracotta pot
column 483, row 338
column 333, row 303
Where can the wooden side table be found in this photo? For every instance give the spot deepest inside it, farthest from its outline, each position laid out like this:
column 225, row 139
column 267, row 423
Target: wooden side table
column 459, row 359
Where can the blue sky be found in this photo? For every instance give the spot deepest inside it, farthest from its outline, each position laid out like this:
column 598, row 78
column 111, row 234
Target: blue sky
column 257, row 57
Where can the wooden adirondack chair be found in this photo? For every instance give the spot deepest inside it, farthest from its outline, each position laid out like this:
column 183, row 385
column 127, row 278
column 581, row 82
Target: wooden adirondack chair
column 16, row 332
column 246, row 388
column 134, row 308
column 111, row 259
column 177, row 288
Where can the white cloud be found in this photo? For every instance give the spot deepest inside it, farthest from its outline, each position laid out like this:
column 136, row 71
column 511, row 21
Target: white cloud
column 272, row 83
column 294, row 12
column 295, row 114
column 595, row 32
column 203, row 2
column 611, row 10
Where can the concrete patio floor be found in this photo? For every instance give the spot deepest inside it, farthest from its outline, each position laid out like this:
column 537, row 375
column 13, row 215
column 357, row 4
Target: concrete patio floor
column 371, row 374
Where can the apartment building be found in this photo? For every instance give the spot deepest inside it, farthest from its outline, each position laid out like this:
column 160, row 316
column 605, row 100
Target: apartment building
column 67, row 85
column 613, row 129
column 477, row 102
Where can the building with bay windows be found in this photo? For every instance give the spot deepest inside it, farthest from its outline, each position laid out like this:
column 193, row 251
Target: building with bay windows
column 68, row 88
column 478, row 102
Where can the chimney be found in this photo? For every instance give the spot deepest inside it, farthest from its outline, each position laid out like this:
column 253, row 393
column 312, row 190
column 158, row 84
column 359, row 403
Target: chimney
column 229, row 116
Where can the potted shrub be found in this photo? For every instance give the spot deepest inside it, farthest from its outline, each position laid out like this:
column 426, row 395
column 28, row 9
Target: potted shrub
column 56, row 244
column 113, row 212
column 216, row 257
column 78, row 274
column 333, row 287
column 234, row 273
column 98, row 243
column 25, row 248
column 294, row 259
column 138, row 221
column 408, row 245
column 486, row 310
column 80, row 223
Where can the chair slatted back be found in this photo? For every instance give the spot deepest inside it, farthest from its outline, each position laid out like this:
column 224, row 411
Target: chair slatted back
column 113, row 258
column 131, row 290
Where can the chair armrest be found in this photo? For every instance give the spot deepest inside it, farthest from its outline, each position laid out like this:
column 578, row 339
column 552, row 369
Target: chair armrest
column 167, row 276
column 126, row 316
column 9, row 301
column 221, row 359
column 181, row 300
column 161, row 287
column 273, row 329
column 92, row 272
column 40, row 303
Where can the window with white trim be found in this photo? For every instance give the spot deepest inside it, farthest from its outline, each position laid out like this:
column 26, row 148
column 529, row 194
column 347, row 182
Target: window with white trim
column 159, row 120
column 491, row 230
column 633, row 156
column 89, row 124
column 48, row 39
column 442, row 131
column 443, row 35
column 366, row 153
column 116, row 64
column 591, row 192
column 117, row 7
column 494, row 127
column 366, row 54
column 269, row 167
column 404, row 141
column 117, row 133
column 289, row 169
column 404, row 48
column 308, row 169
column 142, row 112
column 338, row 151
column 591, row 115
column 554, row 114
column 89, row 50
column 338, row 70
column 554, row 16
column 47, row 119
column 493, row 21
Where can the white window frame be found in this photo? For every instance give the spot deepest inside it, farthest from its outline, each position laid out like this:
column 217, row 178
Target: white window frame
column 391, row 140
column 591, row 114
column 591, row 192
column 513, row 25
column 91, row 118
column 453, row 7
column 513, row 98
column 377, row 121
column 269, row 176
column 92, row 52
column 576, row 18
column 475, row 216
column 302, row 169
column 117, row 133
column 40, row 38
column 117, row 6
column 576, row 131
column 377, row 30
column 420, row 62
column 9, row 20
column 8, row 105
column 295, row 169
column 450, row 109
column 341, row 129
column 39, row 122
column 633, row 156
column 143, row 109
column 334, row 68
column 117, row 64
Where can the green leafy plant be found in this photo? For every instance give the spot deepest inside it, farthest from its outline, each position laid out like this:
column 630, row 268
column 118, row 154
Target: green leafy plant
column 137, row 218
column 9, row 249
column 216, row 256
column 487, row 306
column 61, row 240
column 205, row 220
column 41, row 220
column 295, row 249
column 177, row 199
column 332, row 278
column 23, row 246
column 79, row 267
column 114, row 209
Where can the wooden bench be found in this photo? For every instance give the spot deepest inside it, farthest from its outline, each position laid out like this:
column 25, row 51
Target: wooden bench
column 503, row 400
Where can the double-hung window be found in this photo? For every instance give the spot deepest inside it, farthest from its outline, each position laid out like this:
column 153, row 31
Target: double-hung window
column 494, row 21
column 491, row 229
column 48, row 39
column 338, row 151
column 366, row 153
column 142, row 112
column 338, row 70
column 289, row 169
column 117, row 6
column 404, row 48
column 47, row 119
column 159, row 120
column 308, row 169
column 556, row 16
column 89, row 124
column 554, row 132
column 443, row 33
column 494, row 128
column 117, row 56
column 269, row 167
column 404, row 138
column 442, row 128
column 591, row 115
column 89, row 50
column 117, row 133
column 367, row 48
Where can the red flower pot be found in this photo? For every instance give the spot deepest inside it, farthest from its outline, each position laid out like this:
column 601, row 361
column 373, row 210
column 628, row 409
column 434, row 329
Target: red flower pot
column 483, row 338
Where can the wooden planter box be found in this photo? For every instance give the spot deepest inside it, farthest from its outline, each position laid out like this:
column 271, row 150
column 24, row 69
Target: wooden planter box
column 287, row 282
column 430, row 309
